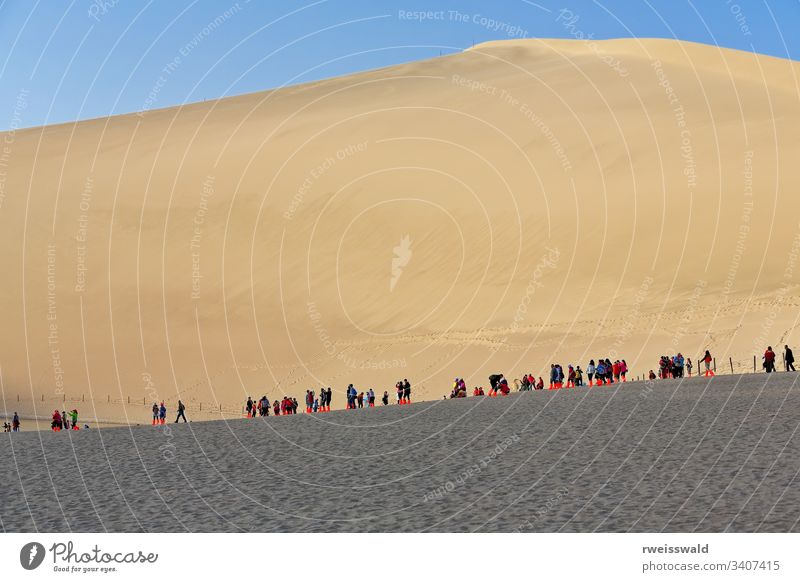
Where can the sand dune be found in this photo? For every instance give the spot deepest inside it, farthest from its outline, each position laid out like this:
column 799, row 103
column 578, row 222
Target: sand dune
column 498, row 209
column 691, row 455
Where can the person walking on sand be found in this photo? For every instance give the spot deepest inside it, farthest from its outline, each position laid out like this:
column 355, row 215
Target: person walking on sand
column 162, row 413
column 15, row 423
column 707, row 359
column 155, row 414
column 788, row 359
column 689, row 366
column 385, row 398
column 769, row 360
column 590, row 371
column 181, row 411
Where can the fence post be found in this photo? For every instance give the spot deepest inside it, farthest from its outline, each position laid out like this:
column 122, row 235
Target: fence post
column 731, row 361
column 754, row 364
column 42, row 397
column 109, row 397
column 64, row 397
column 129, row 399
column 715, row 364
column 201, row 407
column 83, row 398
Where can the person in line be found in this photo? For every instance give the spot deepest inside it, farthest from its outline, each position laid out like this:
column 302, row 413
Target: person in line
column 162, row 413
column 578, row 376
column 707, row 359
column 623, row 370
column 295, row 405
column 15, row 423
column 276, row 408
column 600, row 372
column 371, row 398
column 64, row 420
column 264, row 405
column 181, row 412
column 385, row 398
column 407, row 391
column 769, row 360
column 615, row 370
column 56, row 424
column 360, row 399
column 652, row 375
column 788, row 359
column 155, row 414
column 74, row 417
column 590, row 371
column 328, row 399
column 689, row 366
column 570, row 376
column 249, row 407
column 315, row 405
column 609, row 372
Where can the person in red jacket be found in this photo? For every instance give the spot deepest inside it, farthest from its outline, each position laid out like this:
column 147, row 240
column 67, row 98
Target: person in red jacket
column 769, row 360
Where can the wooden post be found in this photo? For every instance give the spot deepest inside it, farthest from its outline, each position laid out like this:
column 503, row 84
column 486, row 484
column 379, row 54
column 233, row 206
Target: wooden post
column 109, row 398
column 63, row 398
column 201, row 407
column 731, row 361
column 715, row 364
column 42, row 397
column 83, row 398
column 754, row 364
column 17, row 397
column 129, row 399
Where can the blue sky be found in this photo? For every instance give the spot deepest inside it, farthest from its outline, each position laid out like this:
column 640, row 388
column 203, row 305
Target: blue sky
column 64, row 60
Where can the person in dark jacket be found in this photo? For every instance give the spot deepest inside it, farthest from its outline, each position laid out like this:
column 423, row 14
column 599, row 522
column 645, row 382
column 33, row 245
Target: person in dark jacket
column 788, row 359
column 181, row 411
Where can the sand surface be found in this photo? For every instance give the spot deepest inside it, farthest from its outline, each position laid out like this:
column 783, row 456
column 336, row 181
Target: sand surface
column 516, row 204
column 691, row 455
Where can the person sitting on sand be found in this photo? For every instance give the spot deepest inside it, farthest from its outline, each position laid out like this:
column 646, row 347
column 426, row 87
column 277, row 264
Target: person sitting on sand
column 652, row 375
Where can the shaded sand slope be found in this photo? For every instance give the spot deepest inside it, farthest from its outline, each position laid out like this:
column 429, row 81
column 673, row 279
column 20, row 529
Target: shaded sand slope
column 555, row 208
column 680, row 456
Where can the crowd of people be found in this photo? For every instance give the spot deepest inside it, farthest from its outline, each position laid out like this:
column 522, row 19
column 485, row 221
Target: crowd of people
column 599, row 373
column 160, row 413
column 12, row 426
